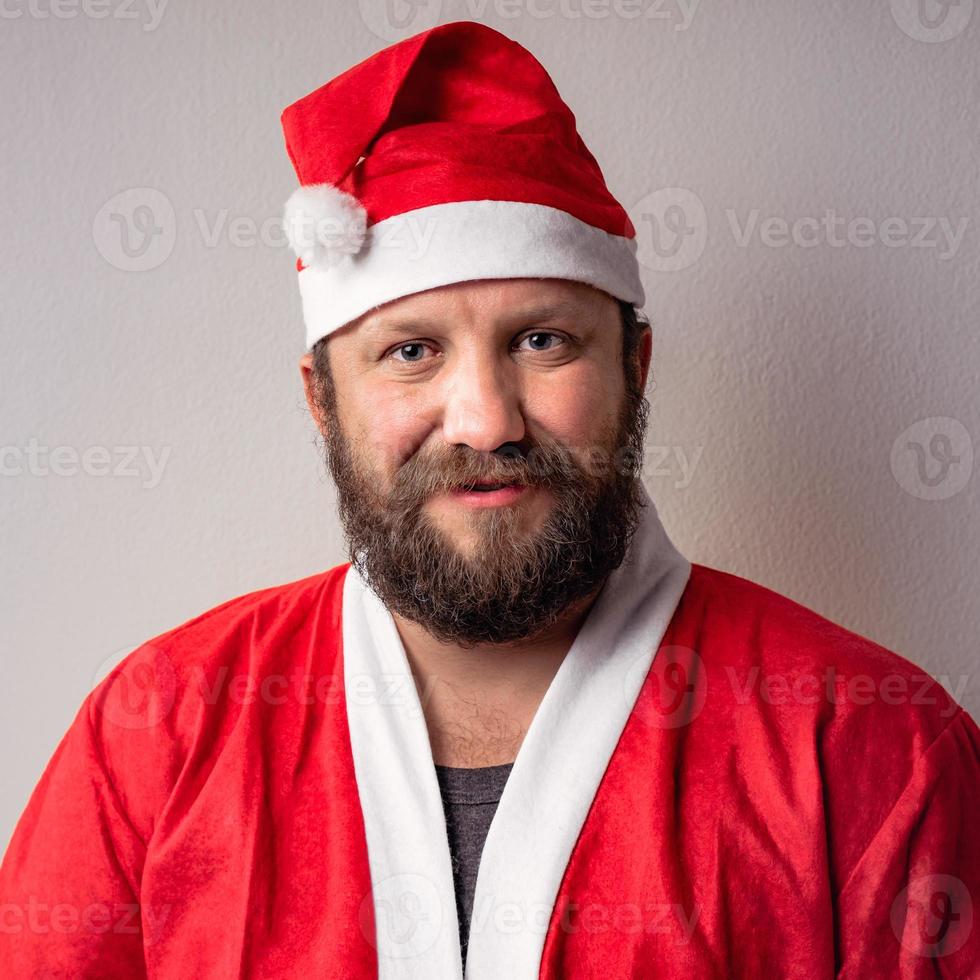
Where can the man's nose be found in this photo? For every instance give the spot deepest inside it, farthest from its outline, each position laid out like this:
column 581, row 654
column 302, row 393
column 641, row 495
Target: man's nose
column 483, row 406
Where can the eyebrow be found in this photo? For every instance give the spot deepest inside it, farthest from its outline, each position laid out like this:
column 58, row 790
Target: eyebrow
column 534, row 314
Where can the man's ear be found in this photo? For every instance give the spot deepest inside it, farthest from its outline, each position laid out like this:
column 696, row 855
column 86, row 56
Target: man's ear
column 306, row 373
column 644, row 353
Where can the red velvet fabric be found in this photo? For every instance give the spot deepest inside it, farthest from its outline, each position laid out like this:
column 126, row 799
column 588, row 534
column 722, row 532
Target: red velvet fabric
column 779, row 783
column 787, row 799
column 221, row 809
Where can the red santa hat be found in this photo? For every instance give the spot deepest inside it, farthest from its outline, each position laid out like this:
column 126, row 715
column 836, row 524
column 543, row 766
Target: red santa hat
column 446, row 157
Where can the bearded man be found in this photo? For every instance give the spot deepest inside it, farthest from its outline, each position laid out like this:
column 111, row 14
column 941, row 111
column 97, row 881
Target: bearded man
column 517, row 734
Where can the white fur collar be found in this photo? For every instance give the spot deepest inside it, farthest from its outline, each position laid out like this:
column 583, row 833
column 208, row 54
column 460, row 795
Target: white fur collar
column 548, row 793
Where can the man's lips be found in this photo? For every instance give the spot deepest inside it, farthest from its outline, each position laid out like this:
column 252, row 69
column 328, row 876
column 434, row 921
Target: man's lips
column 484, row 486
column 488, row 495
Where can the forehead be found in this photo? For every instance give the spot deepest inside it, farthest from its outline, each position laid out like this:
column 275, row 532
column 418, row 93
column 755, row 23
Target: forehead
column 488, row 302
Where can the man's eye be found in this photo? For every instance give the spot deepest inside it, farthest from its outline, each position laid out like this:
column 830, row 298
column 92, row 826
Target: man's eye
column 415, row 350
column 538, row 335
column 413, row 353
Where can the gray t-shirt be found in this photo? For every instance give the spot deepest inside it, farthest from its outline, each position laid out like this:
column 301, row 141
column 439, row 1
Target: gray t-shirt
column 469, row 798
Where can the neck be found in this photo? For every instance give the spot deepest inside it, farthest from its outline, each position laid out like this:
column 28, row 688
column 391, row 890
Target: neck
column 479, row 701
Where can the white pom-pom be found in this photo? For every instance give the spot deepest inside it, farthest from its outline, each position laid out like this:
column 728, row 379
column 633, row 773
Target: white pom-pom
column 323, row 224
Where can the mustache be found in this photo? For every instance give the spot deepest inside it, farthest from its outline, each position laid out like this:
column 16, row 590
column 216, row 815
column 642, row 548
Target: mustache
column 449, row 468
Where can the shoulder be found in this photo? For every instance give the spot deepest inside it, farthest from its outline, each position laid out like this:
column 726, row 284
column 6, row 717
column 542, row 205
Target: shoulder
column 743, row 629
column 287, row 603
column 863, row 725
column 248, row 627
column 173, row 702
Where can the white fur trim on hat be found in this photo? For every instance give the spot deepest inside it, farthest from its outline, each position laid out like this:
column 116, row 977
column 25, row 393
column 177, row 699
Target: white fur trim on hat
column 466, row 240
column 323, row 224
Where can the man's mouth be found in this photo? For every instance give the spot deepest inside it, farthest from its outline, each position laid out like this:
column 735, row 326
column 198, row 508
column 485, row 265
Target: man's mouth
column 484, row 487
column 489, row 494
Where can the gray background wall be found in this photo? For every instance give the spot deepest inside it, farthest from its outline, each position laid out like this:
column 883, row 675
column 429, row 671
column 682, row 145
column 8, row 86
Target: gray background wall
column 804, row 182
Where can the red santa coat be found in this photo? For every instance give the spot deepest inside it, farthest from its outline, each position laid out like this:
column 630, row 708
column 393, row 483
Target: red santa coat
column 718, row 783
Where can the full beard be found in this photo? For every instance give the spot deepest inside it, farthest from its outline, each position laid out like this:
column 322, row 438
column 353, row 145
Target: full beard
column 514, row 583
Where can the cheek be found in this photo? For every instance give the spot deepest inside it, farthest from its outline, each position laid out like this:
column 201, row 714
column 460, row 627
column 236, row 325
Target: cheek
column 576, row 407
column 393, row 427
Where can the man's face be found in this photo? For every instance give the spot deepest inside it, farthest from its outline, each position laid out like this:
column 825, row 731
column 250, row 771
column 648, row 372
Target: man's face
column 510, row 381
